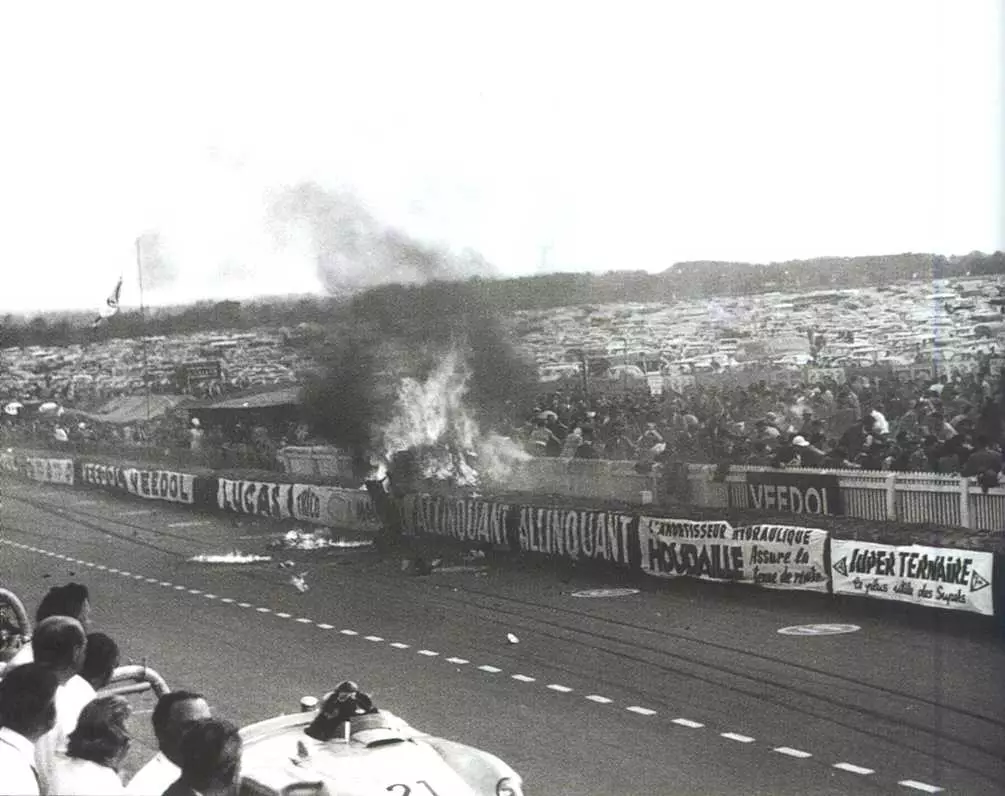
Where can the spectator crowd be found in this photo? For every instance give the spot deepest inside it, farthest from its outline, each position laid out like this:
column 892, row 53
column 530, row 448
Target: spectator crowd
column 954, row 425
column 59, row 737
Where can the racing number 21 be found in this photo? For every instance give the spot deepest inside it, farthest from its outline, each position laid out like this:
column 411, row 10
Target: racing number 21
column 406, row 790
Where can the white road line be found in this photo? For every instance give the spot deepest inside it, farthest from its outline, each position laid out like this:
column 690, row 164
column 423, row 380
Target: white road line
column 429, row 653
column 264, row 610
column 853, row 768
column 738, row 738
column 226, row 599
column 244, row 605
column 788, row 750
column 600, row 700
column 490, row 669
column 562, row 689
column 398, row 645
column 305, row 621
column 194, row 591
column 102, row 567
column 283, row 615
column 150, row 580
column 192, row 524
column 179, row 587
column 347, row 632
column 641, row 711
column 322, row 625
column 373, row 638
column 86, row 502
column 136, row 513
column 922, row 786
column 110, row 569
column 163, row 583
column 523, row 678
column 458, row 661
column 209, row 596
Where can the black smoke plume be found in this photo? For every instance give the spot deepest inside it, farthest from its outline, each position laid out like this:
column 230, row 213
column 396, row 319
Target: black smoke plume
column 353, row 249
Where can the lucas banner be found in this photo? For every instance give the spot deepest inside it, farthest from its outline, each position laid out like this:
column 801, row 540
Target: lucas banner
column 255, row 497
column 50, row 471
column 933, row 576
column 339, row 508
column 151, row 484
column 799, row 493
column 467, row 520
column 772, row 556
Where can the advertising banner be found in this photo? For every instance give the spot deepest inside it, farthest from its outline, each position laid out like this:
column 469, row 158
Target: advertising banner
column 578, row 534
column 773, row 556
column 799, row 493
column 467, row 520
column 932, row 576
column 151, row 484
column 50, row 471
column 9, row 463
column 255, row 497
column 340, row 508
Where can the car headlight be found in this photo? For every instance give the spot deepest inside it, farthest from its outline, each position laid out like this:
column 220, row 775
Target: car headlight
column 508, row 786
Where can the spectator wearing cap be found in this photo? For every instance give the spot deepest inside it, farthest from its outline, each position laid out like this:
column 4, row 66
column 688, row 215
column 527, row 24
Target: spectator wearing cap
column 983, row 459
column 71, row 600
column 586, row 449
column 809, row 455
column 60, row 644
column 95, row 751
column 210, row 760
column 938, row 427
column 27, row 713
column 173, row 715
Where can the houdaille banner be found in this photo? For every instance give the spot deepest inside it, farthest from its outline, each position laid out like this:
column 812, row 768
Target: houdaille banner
column 772, row 556
column 933, row 576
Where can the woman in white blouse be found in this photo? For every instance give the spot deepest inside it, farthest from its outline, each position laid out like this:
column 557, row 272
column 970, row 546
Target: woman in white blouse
column 94, row 751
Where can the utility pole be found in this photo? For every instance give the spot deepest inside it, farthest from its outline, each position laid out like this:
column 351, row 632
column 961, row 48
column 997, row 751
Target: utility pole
column 143, row 322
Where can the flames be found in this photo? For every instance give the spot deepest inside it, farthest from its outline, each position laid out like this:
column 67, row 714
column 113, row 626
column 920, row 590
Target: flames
column 236, row 557
column 432, row 422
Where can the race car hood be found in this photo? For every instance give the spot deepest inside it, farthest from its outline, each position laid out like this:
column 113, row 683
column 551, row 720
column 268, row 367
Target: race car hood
column 396, row 761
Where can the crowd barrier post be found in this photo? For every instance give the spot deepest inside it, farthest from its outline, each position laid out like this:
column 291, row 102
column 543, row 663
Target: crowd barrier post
column 965, row 520
column 891, row 497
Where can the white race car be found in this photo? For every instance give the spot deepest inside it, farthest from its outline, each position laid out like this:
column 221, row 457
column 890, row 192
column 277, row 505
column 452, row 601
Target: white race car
column 347, row 747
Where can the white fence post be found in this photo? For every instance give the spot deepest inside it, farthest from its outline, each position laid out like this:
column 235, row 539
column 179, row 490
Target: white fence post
column 965, row 520
column 891, row 496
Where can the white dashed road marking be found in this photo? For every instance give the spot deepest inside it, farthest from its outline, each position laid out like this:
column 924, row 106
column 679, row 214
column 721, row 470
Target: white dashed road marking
column 788, row 751
column 922, row 786
column 853, row 768
column 193, row 524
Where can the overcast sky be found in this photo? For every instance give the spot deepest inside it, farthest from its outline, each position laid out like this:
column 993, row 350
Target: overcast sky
column 545, row 135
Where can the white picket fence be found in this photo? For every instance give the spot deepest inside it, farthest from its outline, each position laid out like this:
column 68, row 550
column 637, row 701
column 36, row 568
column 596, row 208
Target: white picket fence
column 873, row 495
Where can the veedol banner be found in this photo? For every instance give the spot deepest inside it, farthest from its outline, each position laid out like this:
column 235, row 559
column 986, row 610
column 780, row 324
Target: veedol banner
column 467, row 520
column 796, row 492
column 255, row 497
column 932, row 576
column 326, row 505
column 152, row 484
column 52, row 471
column 773, row 556
column 577, row 534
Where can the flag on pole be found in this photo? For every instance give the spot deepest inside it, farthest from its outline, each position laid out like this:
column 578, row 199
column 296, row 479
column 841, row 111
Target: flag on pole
column 111, row 307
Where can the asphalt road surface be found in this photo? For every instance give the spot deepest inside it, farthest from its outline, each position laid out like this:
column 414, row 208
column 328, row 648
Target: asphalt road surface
column 681, row 688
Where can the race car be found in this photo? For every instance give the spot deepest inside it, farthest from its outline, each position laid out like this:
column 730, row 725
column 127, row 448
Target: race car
column 348, row 747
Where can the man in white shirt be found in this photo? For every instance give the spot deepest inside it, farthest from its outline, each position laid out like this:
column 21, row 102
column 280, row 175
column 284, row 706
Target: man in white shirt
column 28, row 711
column 59, row 644
column 175, row 713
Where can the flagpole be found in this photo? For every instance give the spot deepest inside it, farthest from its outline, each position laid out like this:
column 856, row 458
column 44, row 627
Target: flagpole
column 143, row 324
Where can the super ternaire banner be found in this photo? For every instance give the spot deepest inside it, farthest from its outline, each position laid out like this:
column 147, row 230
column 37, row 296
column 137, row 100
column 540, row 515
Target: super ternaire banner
column 932, row 576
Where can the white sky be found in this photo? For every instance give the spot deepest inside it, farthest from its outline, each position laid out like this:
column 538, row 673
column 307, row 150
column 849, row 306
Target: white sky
column 614, row 134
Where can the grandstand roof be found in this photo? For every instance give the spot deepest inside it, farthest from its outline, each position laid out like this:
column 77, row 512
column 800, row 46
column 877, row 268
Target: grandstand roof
column 256, row 399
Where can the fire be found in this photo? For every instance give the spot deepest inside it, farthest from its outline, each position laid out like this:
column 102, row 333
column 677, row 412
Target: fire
column 236, row 557
column 432, row 421
column 306, row 540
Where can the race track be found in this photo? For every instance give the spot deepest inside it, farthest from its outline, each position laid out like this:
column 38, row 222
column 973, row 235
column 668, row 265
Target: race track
column 681, row 689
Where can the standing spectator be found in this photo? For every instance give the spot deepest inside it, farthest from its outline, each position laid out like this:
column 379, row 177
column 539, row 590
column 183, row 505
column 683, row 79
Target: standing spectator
column 27, row 712
column 984, row 459
column 809, row 455
column 195, row 435
column 586, row 449
column 71, row 600
column 59, row 644
column 100, row 660
column 95, row 751
column 175, row 712
column 543, row 441
column 210, row 760
column 572, row 443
